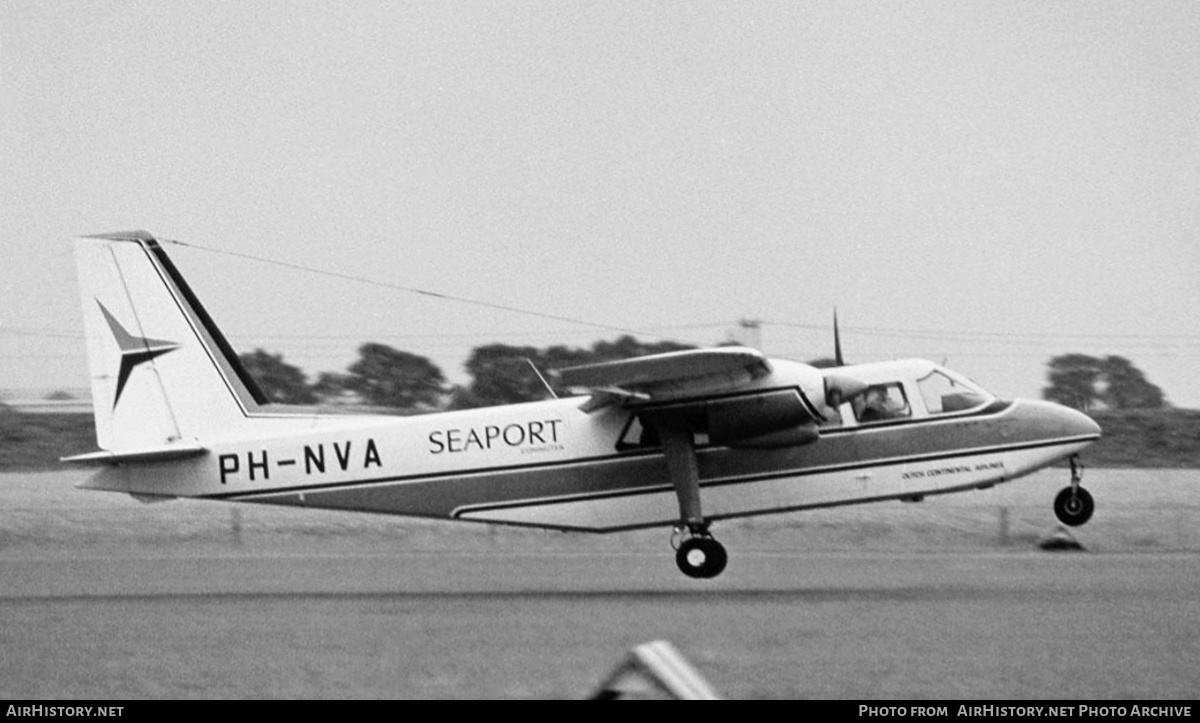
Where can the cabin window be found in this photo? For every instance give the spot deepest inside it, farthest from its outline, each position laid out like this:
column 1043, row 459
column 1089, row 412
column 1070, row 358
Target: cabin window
column 882, row 402
column 639, row 435
column 944, row 395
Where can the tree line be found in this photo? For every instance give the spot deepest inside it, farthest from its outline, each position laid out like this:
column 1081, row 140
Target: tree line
column 383, row 376
column 1112, row 382
column 503, row 374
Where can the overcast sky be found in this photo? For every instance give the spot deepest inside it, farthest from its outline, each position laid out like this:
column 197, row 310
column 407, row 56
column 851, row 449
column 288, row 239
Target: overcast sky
column 984, row 183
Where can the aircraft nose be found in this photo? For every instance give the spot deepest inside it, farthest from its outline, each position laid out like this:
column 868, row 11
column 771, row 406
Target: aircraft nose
column 1073, row 422
column 1080, row 423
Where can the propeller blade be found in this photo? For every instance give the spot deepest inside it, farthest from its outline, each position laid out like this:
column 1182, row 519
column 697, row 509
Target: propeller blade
column 837, row 341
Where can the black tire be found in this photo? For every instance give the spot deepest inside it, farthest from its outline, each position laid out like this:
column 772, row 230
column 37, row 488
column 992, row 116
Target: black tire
column 701, row 557
column 1074, row 506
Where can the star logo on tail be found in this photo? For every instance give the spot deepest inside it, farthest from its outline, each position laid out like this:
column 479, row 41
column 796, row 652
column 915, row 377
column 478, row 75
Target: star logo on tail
column 135, row 350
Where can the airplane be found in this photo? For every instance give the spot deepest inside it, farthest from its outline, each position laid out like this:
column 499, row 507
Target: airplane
column 682, row 439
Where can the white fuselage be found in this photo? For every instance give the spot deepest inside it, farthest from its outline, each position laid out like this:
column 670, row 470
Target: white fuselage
column 549, row 464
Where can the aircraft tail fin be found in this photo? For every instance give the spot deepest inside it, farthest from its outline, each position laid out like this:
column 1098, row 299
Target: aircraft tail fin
column 161, row 372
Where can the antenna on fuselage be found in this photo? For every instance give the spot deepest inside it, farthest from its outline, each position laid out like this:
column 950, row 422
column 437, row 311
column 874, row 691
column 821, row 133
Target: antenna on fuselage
column 542, row 378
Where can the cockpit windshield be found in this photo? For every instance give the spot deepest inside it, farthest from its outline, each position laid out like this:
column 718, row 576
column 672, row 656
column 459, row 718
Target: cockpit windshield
column 946, row 393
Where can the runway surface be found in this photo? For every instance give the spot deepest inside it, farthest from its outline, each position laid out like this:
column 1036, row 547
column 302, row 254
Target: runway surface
column 1025, row 625
column 955, row 602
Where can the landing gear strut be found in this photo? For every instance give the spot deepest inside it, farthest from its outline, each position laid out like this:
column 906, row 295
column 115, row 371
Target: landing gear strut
column 698, row 554
column 1074, row 505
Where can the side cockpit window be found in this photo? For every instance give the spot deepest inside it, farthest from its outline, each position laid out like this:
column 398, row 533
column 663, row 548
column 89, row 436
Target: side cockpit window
column 944, row 395
column 882, row 402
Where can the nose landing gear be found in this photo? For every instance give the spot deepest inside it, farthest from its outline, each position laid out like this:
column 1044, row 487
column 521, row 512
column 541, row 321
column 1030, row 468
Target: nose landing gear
column 1074, row 505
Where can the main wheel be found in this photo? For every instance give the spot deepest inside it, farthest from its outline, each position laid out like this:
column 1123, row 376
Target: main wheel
column 1074, row 506
column 701, row 557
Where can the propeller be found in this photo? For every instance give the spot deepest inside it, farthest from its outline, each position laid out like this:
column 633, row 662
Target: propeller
column 839, row 388
column 837, row 341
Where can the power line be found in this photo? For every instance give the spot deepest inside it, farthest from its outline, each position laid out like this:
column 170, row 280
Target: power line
column 939, row 334
column 1165, row 344
column 41, row 331
column 475, row 335
column 966, row 336
column 409, row 289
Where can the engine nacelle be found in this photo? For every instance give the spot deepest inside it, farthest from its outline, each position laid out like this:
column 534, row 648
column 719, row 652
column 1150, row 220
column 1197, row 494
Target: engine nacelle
column 792, row 437
column 777, row 418
column 758, row 416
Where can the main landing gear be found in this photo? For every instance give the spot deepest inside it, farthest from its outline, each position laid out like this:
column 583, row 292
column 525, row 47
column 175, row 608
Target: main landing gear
column 697, row 553
column 1074, row 505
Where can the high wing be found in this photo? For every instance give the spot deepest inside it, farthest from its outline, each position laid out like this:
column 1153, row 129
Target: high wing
column 732, row 395
column 665, row 376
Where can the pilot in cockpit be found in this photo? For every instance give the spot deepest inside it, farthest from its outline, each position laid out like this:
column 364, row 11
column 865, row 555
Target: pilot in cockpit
column 877, row 404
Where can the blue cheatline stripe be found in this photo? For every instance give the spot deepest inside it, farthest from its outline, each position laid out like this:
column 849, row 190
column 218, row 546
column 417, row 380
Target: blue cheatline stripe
column 655, row 489
column 995, row 409
column 632, row 491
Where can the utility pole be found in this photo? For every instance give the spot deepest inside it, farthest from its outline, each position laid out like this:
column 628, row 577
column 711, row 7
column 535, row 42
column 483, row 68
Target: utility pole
column 751, row 333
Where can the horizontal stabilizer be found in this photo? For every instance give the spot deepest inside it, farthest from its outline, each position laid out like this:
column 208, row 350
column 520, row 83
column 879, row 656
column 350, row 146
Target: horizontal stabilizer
column 153, row 454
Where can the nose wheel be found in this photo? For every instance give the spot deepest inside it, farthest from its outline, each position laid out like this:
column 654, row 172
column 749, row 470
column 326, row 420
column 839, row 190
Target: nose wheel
column 1074, row 505
column 701, row 557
